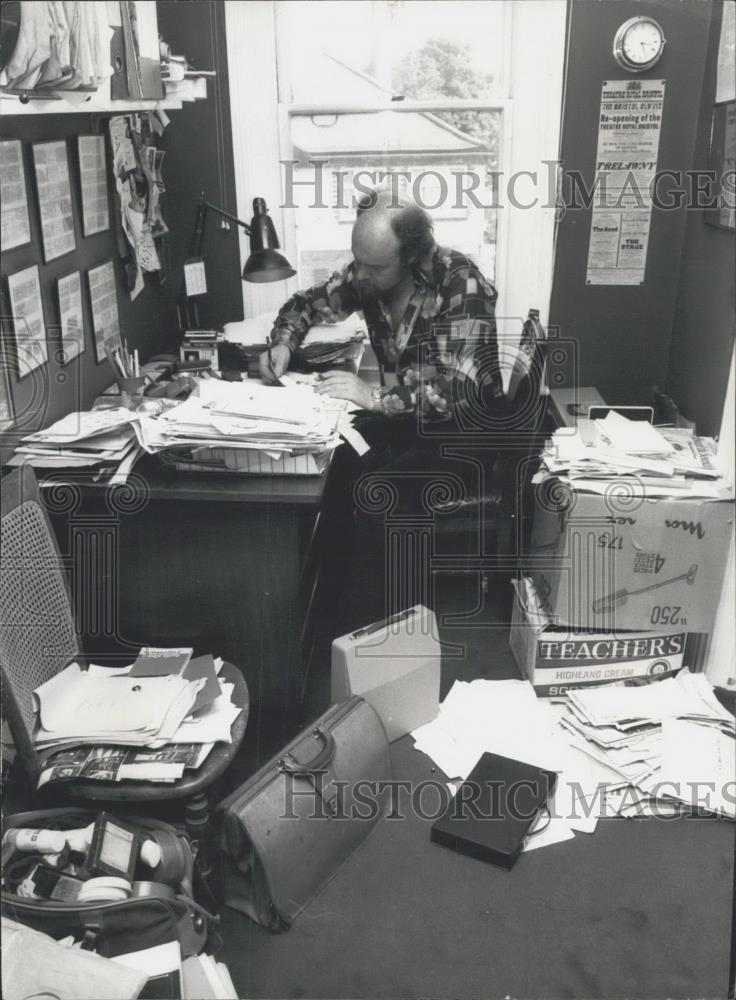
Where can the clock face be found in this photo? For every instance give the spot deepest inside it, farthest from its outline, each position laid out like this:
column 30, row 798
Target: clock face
column 638, row 44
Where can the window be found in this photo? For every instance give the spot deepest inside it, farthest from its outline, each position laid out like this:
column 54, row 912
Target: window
column 441, row 99
column 397, row 95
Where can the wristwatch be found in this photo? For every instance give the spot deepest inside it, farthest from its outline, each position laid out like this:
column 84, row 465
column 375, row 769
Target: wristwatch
column 377, row 397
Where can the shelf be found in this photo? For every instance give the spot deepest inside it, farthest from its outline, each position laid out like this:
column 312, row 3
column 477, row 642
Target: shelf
column 75, row 102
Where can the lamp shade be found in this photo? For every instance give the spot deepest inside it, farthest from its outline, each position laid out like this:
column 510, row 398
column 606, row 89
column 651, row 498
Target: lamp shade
column 265, row 263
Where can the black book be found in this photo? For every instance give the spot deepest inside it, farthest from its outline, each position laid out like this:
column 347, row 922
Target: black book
column 494, row 809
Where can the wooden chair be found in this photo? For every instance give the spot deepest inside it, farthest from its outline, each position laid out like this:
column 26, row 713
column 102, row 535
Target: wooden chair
column 38, row 639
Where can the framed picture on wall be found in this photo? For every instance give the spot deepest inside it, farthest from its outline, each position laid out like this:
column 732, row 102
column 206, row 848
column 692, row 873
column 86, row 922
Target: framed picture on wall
column 71, row 318
column 54, row 199
column 103, row 298
column 722, row 162
column 93, row 180
column 29, row 326
column 16, row 227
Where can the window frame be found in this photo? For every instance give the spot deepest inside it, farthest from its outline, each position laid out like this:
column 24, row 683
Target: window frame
column 502, row 107
column 531, row 96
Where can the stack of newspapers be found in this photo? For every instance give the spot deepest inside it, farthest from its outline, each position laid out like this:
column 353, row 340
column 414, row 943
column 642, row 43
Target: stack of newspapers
column 100, row 444
column 660, row 461
column 145, row 722
column 671, row 741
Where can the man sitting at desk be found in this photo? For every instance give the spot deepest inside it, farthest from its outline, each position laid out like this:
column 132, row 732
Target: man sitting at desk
column 430, row 315
column 429, row 312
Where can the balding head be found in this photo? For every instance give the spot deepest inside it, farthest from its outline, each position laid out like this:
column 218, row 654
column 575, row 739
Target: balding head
column 389, row 236
column 374, row 230
column 411, row 224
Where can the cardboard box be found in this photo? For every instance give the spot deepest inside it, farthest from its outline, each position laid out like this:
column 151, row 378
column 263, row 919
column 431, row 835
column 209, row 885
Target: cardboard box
column 556, row 659
column 599, row 563
column 395, row 665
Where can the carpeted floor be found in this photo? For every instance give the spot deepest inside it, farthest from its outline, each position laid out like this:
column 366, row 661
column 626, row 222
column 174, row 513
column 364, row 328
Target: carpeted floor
column 640, row 909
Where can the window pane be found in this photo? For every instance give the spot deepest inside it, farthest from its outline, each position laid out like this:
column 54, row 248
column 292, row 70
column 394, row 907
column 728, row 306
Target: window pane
column 446, row 49
column 445, row 161
column 364, row 51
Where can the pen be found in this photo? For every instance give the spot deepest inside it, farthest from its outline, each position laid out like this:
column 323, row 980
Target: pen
column 277, row 380
column 118, row 362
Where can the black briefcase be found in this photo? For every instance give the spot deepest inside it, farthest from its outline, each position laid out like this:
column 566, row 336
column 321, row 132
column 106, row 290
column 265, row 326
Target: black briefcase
column 290, row 827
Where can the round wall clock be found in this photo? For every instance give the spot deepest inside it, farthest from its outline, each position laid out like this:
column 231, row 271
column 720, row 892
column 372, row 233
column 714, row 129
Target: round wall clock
column 638, row 44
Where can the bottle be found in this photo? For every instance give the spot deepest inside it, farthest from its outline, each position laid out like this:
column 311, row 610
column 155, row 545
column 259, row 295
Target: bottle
column 41, row 841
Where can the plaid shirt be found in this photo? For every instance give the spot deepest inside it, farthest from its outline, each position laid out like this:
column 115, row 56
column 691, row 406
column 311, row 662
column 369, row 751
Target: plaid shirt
column 444, row 353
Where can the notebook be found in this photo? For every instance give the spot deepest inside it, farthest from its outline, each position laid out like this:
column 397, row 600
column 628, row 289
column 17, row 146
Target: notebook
column 494, row 809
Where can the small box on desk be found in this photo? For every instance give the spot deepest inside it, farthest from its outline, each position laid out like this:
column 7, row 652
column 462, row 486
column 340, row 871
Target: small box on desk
column 652, row 564
column 395, row 665
column 556, row 659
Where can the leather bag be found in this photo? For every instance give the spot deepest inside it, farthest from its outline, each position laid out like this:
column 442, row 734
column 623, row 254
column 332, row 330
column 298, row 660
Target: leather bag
column 112, row 928
column 290, row 827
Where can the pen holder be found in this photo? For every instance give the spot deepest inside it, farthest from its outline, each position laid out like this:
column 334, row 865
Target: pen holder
column 131, row 389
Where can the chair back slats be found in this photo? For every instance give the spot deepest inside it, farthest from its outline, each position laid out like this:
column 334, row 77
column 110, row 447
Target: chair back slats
column 37, row 635
column 525, row 396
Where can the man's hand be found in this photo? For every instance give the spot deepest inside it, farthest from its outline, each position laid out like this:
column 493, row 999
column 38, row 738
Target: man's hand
column 273, row 365
column 344, row 385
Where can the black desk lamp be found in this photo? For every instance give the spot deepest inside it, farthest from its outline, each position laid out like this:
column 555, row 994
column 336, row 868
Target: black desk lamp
column 265, row 263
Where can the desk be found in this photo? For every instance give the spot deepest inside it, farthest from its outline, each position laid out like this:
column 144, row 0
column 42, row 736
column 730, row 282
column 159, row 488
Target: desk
column 228, row 564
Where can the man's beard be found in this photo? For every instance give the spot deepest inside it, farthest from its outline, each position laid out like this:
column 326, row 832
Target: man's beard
column 368, row 293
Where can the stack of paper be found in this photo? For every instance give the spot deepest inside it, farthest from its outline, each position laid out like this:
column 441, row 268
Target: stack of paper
column 225, row 418
column 502, row 717
column 255, row 332
column 613, row 747
column 632, row 734
column 101, row 442
column 98, row 721
column 507, row 718
column 658, row 461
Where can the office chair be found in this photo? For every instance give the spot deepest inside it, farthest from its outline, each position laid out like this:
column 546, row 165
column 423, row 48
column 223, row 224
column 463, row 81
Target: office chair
column 492, row 515
column 463, row 509
column 480, row 519
column 38, row 639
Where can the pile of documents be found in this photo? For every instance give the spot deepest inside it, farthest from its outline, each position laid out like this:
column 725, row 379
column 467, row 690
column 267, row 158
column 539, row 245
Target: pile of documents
column 246, row 426
column 321, row 338
column 659, row 461
column 100, row 443
column 502, row 717
column 507, row 718
column 145, row 722
column 617, row 750
column 670, row 740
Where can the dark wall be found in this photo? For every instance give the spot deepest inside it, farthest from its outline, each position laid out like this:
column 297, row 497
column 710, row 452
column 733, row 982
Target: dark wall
column 623, row 332
column 53, row 390
column 200, row 156
column 705, row 317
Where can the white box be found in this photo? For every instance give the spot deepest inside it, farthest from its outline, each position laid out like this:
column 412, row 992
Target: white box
column 395, row 665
